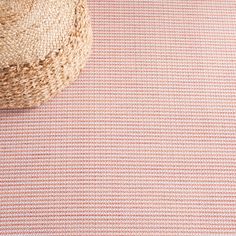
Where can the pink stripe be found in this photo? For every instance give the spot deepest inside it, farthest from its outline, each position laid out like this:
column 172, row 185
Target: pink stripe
column 144, row 142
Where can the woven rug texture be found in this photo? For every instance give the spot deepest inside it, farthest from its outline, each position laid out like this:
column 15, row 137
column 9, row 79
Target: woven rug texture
column 143, row 143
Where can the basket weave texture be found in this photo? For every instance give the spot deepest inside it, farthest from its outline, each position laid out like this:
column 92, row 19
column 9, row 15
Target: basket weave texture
column 44, row 44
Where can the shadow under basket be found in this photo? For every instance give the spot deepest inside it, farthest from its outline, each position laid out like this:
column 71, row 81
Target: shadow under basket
column 44, row 44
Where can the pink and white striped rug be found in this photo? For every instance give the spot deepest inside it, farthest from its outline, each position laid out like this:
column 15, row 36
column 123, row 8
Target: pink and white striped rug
column 144, row 142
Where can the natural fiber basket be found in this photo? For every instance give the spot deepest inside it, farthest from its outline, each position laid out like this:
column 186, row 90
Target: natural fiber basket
column 43, row 46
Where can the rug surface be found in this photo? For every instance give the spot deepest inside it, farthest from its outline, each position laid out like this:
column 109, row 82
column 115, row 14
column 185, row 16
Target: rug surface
column 144, row 142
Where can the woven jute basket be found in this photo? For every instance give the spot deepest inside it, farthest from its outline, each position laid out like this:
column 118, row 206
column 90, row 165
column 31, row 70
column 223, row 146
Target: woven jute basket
column 44, row 44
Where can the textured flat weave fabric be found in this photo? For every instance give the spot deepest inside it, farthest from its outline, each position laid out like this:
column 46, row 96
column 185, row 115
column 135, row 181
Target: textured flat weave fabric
column 144, row 142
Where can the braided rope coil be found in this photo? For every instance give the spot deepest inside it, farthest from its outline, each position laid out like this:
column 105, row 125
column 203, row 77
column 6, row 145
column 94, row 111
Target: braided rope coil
column 50, row 49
